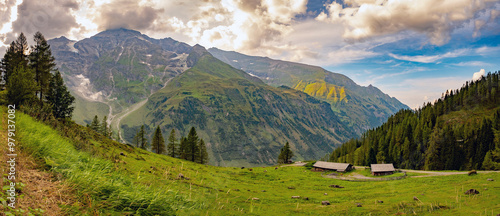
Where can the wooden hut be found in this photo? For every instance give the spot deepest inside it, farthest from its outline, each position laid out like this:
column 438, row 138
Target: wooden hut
column 382, row 169
column 330, row 166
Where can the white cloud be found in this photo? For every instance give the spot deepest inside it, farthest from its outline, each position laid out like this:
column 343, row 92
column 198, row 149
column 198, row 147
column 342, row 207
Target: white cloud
column 478, row 75
column 430, row 58
column 368, row 18
column 487, row 50
column 472, row 63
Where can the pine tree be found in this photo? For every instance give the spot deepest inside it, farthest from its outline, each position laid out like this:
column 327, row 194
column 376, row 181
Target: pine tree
column 141, row 138
column 183, row 148
column 192, row 145
column 42, row 62
column 7, row 64
column 21, row 87
column 60, row 98
column 135, row 140
column 172, row 147
column 489, row 164
column 203, row 159
column 95, row 125
column 286, row 154
column 104, row 129
column 158, row 143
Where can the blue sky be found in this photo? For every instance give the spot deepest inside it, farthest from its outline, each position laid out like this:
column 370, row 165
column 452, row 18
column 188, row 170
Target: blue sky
column 412, row 50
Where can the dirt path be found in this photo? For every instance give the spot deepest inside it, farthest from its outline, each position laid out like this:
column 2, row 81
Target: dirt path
column 41, row 190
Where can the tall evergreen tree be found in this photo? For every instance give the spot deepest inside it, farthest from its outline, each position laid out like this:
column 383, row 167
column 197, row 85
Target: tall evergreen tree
column 42, row 62
column 141, row 138
column 95, row 125
column 15, row 56
column 7, row 64
column 60, row 97
column 172, row 148
column 285, row 155
column 21, row 87
column 158, row 143
column 104, row 129
column 183, row 148
column 203, row 159
column 192, row 145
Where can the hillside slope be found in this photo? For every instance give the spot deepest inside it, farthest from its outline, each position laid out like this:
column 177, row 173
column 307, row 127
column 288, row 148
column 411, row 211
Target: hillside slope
column 244, row 121
column 361, row 108
column 457, row 132
column 110, row 178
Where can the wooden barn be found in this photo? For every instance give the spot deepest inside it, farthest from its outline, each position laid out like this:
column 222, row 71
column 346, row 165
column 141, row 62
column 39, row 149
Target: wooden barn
column 330, row 166
column 382, row 169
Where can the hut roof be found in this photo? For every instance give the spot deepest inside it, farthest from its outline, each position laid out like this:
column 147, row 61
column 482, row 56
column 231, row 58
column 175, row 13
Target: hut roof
column 382, row 168
column 341, row 167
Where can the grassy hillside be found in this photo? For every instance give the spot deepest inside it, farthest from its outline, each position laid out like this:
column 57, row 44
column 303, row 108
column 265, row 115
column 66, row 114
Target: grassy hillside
column 244, row 121
column 142, row 183
column 87, row 110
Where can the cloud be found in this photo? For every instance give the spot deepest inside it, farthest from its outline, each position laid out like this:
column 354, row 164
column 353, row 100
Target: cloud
column 126, row 14
column 472, row 63
column 236, row 24
column 430, row 58
column 368, row 18
column 478, row 75
column 52, row 17
column 487, row 50
column 5, row 11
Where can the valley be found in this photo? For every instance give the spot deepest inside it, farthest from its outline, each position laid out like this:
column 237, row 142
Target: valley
column 135, row 181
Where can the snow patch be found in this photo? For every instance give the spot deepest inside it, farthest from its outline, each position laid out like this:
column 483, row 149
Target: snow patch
column 71, row 46
column 85, row 89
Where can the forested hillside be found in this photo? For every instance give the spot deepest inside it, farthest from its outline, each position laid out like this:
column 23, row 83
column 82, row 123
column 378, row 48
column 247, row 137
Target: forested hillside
column 460, row 131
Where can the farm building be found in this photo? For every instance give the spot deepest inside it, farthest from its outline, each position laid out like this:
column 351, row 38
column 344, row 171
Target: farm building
column 339, row 167
column 382, row 169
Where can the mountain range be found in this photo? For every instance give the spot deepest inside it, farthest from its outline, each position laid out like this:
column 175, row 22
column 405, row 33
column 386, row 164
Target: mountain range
column 244, row 107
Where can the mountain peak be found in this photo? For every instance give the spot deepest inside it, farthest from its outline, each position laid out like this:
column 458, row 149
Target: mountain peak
column 119, row 32
column 196, row 53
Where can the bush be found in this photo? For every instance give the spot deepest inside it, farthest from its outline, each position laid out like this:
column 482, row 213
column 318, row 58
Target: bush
column 309, row 164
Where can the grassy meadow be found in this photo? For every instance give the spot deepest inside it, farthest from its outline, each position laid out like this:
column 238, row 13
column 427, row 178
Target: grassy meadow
column 110, row 178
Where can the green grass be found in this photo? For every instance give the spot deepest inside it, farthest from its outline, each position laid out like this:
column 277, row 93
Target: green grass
column 86, row 110
column 145, row 183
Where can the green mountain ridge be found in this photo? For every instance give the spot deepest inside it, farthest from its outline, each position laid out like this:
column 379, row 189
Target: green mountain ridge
column 242, row 120
column 361, row 108
column 460, row 131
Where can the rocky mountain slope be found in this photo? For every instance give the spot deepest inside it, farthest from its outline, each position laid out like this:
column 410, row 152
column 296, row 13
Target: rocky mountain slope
column 359, row 107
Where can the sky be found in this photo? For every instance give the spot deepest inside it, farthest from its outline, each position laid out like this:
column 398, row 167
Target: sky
column 413, row 50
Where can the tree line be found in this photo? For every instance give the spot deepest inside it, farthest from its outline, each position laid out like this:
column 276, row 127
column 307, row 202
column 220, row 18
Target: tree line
column 460, row 131
column 190, row 148
column 101, row 127
column 30, row 77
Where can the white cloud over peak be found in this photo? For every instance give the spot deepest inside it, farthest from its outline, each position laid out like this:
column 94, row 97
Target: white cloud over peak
column 478, row 75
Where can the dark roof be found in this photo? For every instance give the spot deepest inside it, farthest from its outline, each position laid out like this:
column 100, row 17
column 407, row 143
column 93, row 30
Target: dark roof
column 341, row 167
column 382, row 168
